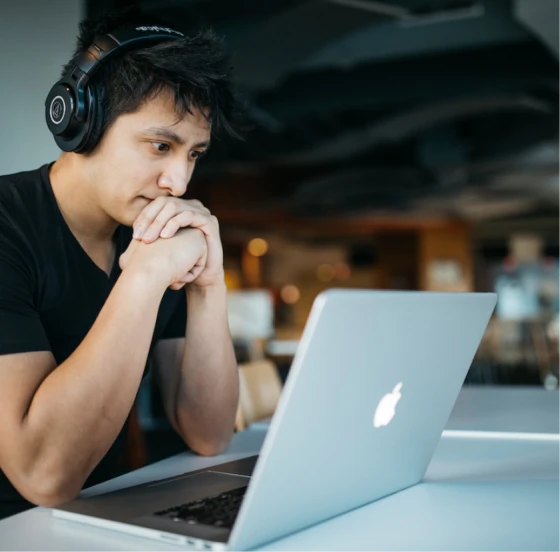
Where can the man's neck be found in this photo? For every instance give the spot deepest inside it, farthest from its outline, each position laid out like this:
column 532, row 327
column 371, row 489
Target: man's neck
column 77, row 202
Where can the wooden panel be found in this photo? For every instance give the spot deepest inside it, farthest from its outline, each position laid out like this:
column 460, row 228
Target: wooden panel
column 397, row 265
column 445, row 259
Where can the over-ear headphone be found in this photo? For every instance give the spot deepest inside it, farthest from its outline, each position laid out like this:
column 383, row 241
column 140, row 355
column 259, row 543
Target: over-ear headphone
column 72, row 108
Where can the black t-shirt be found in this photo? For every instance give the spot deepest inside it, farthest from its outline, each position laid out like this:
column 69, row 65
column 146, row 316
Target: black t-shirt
column 51, row 292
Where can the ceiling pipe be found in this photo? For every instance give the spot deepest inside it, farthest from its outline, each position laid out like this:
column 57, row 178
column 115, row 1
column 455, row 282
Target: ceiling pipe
column 541, row 18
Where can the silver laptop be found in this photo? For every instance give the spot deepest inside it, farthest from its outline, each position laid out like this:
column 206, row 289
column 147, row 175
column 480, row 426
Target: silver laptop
column 369, row 392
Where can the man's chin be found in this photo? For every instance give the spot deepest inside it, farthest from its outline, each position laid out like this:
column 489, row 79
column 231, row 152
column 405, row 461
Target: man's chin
column 136, row 207
column 126, row 219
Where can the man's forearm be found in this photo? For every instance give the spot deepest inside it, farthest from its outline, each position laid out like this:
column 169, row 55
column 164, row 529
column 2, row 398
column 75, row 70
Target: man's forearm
column 209, row 386
column 79, row 409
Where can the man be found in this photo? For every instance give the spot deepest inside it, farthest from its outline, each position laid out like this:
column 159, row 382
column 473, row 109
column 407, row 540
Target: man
column 83, row 303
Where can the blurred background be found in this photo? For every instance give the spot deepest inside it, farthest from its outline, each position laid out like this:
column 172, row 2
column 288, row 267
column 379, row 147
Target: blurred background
column 407, row 145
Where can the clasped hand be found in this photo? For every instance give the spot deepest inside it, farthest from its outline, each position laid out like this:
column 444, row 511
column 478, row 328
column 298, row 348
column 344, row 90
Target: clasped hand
column 165, row 217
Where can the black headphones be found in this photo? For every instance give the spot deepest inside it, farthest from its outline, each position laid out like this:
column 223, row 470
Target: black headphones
column 72, row 107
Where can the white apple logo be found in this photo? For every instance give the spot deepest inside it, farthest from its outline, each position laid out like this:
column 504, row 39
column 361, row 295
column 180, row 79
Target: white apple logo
column 386, row 408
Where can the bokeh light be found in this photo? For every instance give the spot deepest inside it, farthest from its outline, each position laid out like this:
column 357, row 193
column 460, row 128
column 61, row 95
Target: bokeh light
column 325, row 272
column 342, row 271
column 257, row 247
column 290, row 294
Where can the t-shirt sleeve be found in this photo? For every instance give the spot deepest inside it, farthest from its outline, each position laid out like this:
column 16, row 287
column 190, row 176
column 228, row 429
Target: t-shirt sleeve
column 177, row 324
column 21, row 329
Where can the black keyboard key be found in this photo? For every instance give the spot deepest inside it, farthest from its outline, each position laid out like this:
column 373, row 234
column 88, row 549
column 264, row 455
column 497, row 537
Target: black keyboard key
column 219, row 511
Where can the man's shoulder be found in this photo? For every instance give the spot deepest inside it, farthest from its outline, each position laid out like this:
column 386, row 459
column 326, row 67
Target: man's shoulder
column 23, row 194
column 21, row 181
column 25, row 212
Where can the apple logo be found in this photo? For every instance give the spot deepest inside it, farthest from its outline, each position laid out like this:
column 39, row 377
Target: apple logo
column 386, row 408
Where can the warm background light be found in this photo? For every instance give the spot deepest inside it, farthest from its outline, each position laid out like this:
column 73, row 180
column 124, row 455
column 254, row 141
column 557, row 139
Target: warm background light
column 342, row 271
column 232, row 279
column 257, row 247
column 290, row 294
column 325, row 272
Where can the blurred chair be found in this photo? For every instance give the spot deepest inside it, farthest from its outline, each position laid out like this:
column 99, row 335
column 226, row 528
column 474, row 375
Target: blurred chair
column 251, row 322
column 546, row 353
column 134, row 454
column 260, row 388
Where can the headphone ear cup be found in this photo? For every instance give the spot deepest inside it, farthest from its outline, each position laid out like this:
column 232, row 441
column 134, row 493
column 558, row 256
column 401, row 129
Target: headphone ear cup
column 64, row 112
column 59, row 109
column 93, row 122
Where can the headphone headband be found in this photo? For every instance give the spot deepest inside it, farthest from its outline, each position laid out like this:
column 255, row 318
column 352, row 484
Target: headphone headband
column 104, row 46
column 70, row 105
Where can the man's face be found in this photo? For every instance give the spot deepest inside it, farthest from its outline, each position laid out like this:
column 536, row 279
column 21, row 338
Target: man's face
column 144, row 155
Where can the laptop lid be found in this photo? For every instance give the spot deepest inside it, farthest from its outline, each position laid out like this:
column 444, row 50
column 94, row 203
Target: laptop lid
column 371, row 387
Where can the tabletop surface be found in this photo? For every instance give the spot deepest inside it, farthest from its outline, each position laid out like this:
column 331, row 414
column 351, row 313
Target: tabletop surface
column 479, row 493
column 507, row 408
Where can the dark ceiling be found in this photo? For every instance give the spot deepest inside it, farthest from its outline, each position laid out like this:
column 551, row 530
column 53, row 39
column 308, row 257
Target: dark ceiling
column 361, row 106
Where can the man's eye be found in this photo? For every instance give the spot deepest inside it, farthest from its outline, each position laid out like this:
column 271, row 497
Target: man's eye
column 197, row 154
column 161, row 146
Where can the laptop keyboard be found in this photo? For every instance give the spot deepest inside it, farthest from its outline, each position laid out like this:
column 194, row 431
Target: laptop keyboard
column 219, row 511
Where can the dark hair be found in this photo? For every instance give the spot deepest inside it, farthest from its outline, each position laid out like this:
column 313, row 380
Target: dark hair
column 196, row 69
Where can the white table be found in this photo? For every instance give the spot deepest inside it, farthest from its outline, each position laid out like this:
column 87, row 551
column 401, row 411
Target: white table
column 498, row 493
column 474, row 497
column 506, row 408
column 36, row 529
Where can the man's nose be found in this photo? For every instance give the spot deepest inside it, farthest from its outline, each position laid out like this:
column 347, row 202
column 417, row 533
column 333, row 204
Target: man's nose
column 176, row 179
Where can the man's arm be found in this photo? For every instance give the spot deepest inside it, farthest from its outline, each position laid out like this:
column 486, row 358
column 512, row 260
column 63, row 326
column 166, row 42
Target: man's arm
column 198, row 375
column 56, row 423
column 198, row 378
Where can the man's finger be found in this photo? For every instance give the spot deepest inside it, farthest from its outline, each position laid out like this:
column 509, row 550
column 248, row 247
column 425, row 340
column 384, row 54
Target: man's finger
column 151, row 232
column 171, row 228
column 177, row 286
column 147, row 216
column 193, row 274
column 198, row 206
column 158, row 210
column 183, row 220
column 146, row 220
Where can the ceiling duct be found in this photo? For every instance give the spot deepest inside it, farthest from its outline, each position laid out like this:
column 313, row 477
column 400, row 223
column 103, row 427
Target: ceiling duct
column 541, row 17
column 406, row 124
column 284, row 40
